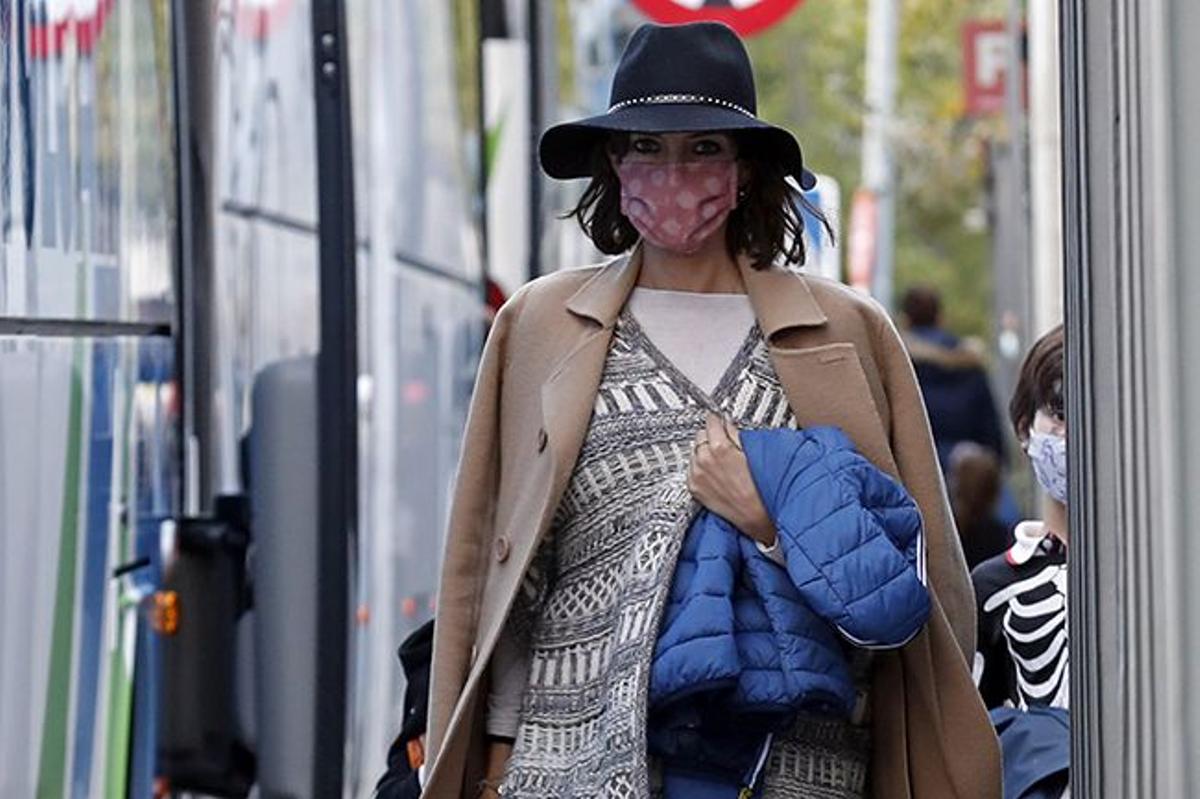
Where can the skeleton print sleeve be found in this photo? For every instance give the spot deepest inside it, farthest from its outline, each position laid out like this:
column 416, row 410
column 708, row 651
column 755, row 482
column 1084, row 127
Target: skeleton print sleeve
column 993, row 665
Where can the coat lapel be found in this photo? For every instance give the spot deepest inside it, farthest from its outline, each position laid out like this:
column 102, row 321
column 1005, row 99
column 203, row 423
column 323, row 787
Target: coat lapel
column 569, row 394
column 825, row 384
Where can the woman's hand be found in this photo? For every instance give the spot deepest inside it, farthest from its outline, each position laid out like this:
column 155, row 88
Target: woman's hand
column 719, row 478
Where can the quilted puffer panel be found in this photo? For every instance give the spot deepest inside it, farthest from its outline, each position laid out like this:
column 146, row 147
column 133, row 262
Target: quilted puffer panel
column 851, row 535
column 735, row 624
column 744, row 644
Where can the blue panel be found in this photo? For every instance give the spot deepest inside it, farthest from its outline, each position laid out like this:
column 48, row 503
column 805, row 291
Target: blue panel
column 98, row 487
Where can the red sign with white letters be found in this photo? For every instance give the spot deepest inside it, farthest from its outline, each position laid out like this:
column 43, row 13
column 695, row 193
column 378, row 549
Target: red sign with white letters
column 986, row 52
column 747, row 17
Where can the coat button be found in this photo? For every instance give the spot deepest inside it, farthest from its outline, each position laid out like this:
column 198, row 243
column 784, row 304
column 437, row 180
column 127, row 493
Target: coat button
column 502, row 549
column 542, row 440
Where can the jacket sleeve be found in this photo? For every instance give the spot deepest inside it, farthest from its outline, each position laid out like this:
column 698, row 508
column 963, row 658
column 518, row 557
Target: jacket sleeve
column 469, row 534
column 851, row 536
column 993, row 668
column 916, row 460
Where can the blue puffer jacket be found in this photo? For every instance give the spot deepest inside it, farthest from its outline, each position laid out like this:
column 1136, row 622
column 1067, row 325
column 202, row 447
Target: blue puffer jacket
column 742, row 637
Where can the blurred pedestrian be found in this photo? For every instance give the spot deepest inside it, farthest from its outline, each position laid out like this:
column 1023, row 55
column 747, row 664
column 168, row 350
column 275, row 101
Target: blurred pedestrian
column 406, row 756
column 607, row 407
column 1022, row 663
column 953, row 378
column 974, row 485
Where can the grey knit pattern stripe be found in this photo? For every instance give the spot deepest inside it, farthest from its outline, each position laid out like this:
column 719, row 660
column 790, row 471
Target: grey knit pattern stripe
column 592, row 601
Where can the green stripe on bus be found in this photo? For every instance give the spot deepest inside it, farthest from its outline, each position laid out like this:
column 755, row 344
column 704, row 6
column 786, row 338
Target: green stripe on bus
column 120, row 692
column 120, row 713
column 52, row 764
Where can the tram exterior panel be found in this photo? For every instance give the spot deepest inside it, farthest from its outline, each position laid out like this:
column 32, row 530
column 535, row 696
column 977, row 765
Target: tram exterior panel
column 91, row 459
column 88, row 452
column 420, row 285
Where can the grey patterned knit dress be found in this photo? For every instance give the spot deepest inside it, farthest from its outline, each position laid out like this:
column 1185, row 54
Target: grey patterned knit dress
column 593, row 598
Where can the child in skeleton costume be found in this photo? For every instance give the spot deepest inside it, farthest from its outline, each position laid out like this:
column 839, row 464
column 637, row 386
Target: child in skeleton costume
column 1022, row 594
column 1021, row 665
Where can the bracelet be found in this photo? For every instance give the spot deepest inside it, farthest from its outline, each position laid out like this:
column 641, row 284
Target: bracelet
column 486, row 785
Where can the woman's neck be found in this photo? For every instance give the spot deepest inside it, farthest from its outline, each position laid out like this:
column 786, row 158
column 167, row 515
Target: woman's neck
column 1054, row 517
column 711, row 270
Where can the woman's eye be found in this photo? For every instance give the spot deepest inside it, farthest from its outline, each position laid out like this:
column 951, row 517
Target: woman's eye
column 707, row 147
column 645, row 146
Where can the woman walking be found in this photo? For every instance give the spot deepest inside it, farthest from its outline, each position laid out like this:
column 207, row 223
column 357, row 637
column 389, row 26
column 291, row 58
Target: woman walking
column 607, row 405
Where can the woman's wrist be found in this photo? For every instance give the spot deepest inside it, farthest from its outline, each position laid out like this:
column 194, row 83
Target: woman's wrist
column 499, row 750
column 763, row 531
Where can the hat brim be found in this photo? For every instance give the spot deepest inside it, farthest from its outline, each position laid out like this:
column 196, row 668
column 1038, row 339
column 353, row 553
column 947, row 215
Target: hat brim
column 566, row 150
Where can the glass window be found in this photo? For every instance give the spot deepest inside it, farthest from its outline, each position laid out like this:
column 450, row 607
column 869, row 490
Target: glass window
column 265, row 179
column 87, row 180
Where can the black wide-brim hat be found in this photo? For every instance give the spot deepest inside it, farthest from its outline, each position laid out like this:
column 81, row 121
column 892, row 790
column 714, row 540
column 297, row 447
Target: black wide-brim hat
column 675, row 79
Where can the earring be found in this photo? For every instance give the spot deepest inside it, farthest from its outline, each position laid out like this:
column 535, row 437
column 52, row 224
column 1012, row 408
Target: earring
column 742, row 194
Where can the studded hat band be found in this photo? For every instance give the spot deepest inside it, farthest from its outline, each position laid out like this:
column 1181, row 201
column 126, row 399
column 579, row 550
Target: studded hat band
column 676, row 99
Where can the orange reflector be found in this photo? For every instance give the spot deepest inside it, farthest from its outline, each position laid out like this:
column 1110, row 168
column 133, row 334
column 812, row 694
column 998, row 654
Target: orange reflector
column 416, row 753
column 363, row 614
column 409, row 607
column 166, row 612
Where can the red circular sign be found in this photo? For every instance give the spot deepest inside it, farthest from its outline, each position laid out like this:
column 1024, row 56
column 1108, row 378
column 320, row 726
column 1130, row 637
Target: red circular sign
column 747, row 17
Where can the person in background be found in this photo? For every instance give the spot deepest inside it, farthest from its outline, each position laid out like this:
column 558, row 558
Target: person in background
column 406, row 756
column 973, row 481
column 1021, row 665
column 952, row 377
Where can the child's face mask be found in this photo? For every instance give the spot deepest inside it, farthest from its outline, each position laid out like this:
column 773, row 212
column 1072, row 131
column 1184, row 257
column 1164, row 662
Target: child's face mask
column 1047, row 451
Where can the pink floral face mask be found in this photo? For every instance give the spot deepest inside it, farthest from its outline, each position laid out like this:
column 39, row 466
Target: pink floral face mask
column 678, row 205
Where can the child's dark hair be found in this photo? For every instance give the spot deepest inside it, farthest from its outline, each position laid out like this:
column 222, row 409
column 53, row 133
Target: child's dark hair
column 1040, row 385
column 767, row 224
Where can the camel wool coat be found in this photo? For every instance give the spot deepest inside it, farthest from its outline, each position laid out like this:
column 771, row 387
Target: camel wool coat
column 841, row 363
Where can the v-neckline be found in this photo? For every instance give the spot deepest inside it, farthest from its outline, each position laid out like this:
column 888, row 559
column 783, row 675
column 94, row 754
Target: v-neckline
column 711, row 401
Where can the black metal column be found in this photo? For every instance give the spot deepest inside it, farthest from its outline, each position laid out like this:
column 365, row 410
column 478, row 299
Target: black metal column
column 535, row 11
column 194, row 323
column 337, row 373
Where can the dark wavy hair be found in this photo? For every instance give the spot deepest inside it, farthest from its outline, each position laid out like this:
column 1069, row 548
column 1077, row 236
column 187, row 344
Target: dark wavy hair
column 766, row 225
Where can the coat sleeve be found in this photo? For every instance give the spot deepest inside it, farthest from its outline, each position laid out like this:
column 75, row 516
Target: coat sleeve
column 469, row 533
column 916, row 460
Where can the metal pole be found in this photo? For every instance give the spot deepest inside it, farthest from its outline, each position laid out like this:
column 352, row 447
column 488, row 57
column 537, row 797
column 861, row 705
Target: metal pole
column 337, row 375
column 879, row 174
column 535, row 130
column 1021, row 269
column 493, row 24
column 1045, row 168
column 195, row 323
